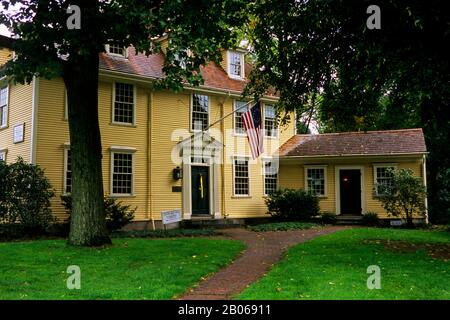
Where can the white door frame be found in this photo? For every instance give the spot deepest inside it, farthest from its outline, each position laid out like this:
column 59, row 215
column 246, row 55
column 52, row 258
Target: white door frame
column 337, row 185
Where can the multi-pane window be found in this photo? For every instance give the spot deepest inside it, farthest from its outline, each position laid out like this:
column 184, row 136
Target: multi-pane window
column 241, row 177
column 270, row 126
column 315, row 181
column 68, row 172
column 270, row 178
column 124, row 103
column 122, row 173
column 238, row 123
column 200, row 109
column 383, row 178
column 2, row 155
column 3, row 107
column 116, row 50
column 235, row 64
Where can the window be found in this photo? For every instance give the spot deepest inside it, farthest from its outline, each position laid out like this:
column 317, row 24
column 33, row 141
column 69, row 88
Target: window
column 383, row 178
column 3, row 107
column 200, row 115
column 3, row 155
column 270, row 126
column 122, row 173
column 270, row 177
column 240, row 109
column 241, row 177
column 116, row 50
column 315, row 178
column 235, row 64
column 123, row 103
column 67, row 171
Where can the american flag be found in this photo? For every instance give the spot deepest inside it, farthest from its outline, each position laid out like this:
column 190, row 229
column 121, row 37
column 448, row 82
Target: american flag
column 253, row 127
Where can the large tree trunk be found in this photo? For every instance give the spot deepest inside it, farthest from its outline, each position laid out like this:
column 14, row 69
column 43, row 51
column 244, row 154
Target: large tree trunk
column 87, row 223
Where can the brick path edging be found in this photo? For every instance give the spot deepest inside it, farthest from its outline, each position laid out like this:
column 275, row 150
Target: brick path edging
column 263, row 250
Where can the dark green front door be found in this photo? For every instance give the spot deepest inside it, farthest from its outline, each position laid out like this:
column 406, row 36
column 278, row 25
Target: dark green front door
column 200, row 190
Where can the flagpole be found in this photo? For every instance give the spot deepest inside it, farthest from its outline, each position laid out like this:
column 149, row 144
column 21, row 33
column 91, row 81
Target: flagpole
column 229, row 114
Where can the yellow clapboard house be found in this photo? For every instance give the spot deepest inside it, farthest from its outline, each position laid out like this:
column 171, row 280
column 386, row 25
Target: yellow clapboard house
column 157, row 157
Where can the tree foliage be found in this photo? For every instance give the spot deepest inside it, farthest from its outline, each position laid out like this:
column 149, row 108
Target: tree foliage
column 404, row 196
column 46, row 47
column 389, row 78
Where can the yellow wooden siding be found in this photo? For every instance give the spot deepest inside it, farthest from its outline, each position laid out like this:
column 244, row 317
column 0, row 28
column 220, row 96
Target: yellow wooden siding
column 224, row 62
column 53, row 133
column 292, row 176
column 5, row 55
column 19, row 112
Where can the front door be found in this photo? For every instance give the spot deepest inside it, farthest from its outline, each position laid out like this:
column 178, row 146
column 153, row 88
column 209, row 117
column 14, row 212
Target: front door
column 200, row 190
column 350, row 191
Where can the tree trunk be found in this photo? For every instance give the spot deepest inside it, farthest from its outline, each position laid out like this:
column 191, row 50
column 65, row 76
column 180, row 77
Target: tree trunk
column 87, row 222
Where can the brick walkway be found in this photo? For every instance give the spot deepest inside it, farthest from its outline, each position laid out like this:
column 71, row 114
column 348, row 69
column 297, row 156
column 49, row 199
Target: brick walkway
column 263, row 250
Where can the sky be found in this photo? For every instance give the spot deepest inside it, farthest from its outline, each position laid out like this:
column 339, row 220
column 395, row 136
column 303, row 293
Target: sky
column 4, row 31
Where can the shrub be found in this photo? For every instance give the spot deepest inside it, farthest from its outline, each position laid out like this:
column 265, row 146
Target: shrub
column 291, row 204
column 117, row 214
column 26, row 194
column 404, row 196
column 328, row 218
column 371, row 219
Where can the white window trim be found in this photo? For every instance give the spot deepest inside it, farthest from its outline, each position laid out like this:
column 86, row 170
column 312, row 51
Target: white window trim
column 325, row 169
column 117, row 123
column 4, row 153
column 277, row 129
column 264, row 160
column 66, row 150
column 191, row 129
column 238, row 134
column 381, row 165
column 120, row 149
column 125, row 55
column 7, row 107
column 232, row 76
column 248, row 195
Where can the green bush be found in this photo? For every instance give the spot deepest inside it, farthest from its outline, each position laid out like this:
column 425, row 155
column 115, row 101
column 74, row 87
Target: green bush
column 328, row 218
column 291, row 204
column 117, row 214
column 25, row 197
column 404, row 196
column 370, row 219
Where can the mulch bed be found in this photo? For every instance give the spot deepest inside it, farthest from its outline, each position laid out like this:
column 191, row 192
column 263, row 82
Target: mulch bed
column 434, row 250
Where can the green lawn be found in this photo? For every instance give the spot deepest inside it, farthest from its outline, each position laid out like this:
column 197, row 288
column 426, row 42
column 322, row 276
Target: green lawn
column 130, row 269
column 335, row 267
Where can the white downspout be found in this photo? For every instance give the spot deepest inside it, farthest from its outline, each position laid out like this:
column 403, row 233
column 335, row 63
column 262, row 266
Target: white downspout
column 424, row 175
column 34, row 119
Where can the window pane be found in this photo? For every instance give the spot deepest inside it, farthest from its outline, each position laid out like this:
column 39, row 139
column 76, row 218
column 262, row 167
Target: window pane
column 235, row 64
column 270, row 178
column 68, row 175
column 115, row 49
column 241, row 179
column 122, row 173
column 238, row 124
column 124, row 103
column 200, row 109
column 270, row 121
column 316, row 181
column 384, row 179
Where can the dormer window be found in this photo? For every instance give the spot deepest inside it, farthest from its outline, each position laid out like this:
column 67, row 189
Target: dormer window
column 116, row 50
column 236, row 64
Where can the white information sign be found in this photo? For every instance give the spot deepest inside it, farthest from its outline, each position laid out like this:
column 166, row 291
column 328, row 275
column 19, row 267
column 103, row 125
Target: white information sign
column 171, row 216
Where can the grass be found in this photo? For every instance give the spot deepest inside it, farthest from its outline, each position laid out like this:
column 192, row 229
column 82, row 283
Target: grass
column 130, row 269
column 335, row 267
column 283, row 226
